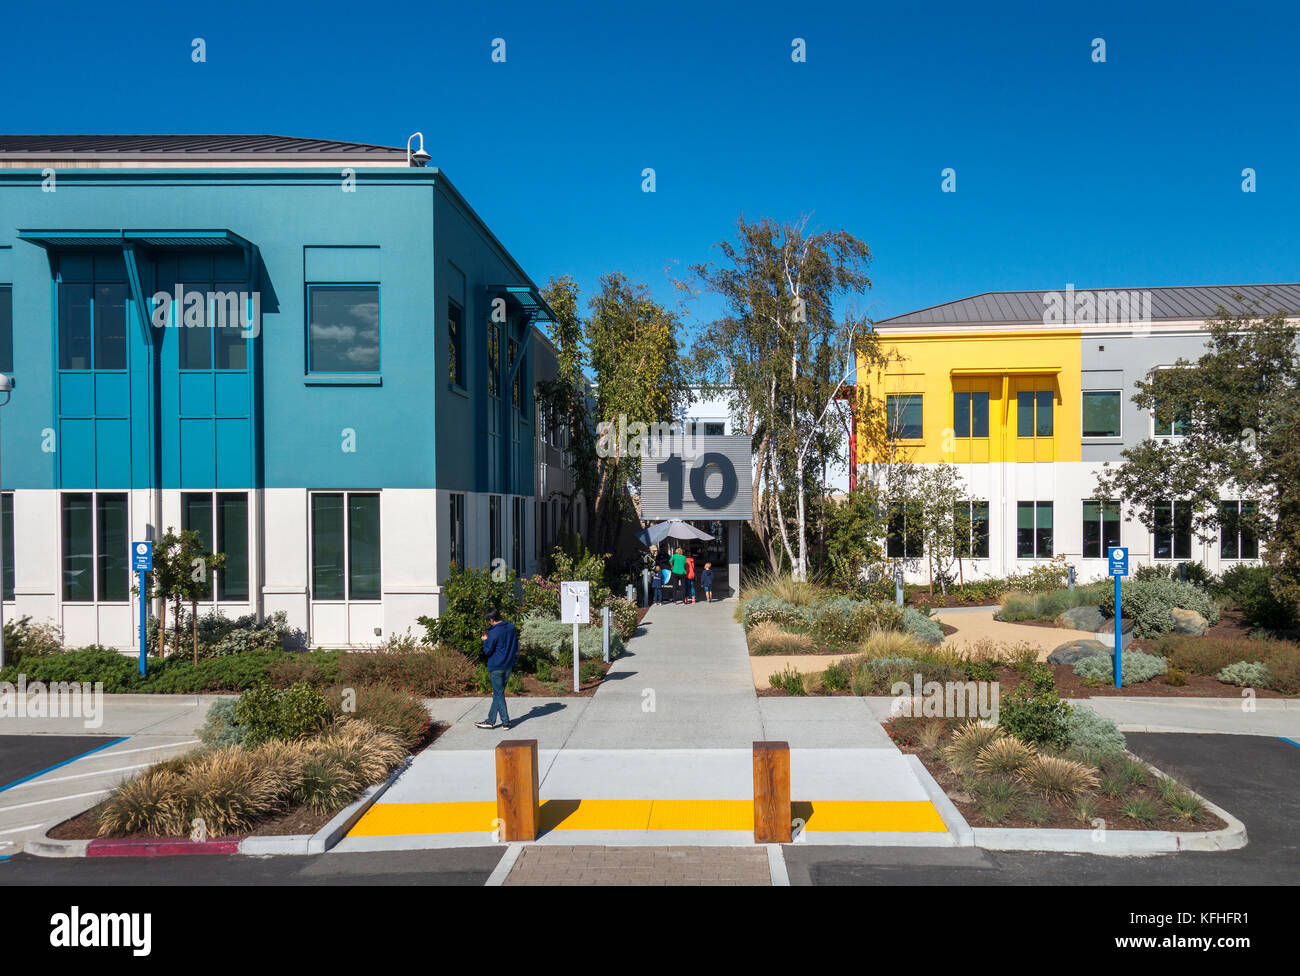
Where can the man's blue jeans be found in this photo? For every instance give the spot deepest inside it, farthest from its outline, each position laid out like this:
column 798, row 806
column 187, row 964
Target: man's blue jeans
column 498, row 679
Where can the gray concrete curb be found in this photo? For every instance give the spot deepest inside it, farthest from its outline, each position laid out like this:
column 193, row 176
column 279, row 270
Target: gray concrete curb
column 960, row 831
column 1261, row 704
column 272, row 844
column 338, row 828
column 46, row 846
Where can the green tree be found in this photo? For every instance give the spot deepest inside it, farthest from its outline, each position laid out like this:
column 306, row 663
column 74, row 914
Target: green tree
column 1239, row 405
column 196, row 564
column 630, row 344
column 781, row 356
column 853, row 527
column 164, row 582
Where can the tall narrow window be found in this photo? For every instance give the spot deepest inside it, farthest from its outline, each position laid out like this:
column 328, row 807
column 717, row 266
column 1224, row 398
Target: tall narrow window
column 903, row 540
column 1034, row 530
column 455, row 343
column 78, row 518
column 1173, row 530
column 494, row 528
column 6, row 329
column 110, row 326
column 111, row 541
column 1100, row 527
column 494, row 359
column 1237, row 539
column 196, row 516
column 232, row 539
column 343, row 329
column 1034, row 413
column 517, row 538
column 345, row 551
column 7, row 527
column 970, row 414
column 74, row 326
column 516, row 384
column 457, row 530
column 971, row 524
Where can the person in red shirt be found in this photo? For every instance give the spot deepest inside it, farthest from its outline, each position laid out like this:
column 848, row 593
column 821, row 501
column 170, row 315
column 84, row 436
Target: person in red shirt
column 690, row 579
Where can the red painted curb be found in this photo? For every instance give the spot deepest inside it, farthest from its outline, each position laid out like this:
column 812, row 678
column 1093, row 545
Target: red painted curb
column 159, row 847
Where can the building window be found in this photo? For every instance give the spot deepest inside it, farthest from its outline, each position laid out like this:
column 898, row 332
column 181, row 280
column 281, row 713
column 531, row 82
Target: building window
column 95, row 558
column 1237, row 538
column 518, row 540
column 343, row 331
column 1100, row 527
column 516, row 365
column 456, row 343
column 211, row 333
column 221, row 520
column 1034, row 535
column 345, row 554
column 714, row 429
column 971, row 524
column 970, row 414
column 1176, row 427
column 1101, row 413
column 92, row 325
column 1034, row 413
column 7, row 527
column 494, row 529
column 457, row 531
column 903, row 540
column 1173, row 530
column 494, row 359
column 904, row 416
column 6, row 329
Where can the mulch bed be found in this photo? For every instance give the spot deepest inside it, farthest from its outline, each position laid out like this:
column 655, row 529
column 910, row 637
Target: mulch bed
column 561, row 686
column 1109, row 809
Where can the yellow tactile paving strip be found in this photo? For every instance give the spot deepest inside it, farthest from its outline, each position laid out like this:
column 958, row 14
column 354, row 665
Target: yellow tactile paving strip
column 391, row 819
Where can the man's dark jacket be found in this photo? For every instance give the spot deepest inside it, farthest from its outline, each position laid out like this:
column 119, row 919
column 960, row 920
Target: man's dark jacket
column 501, row 646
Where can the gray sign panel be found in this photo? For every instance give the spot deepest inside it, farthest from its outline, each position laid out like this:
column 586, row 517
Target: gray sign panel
column 697, row 477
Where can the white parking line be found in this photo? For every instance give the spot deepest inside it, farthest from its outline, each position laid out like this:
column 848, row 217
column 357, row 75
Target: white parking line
column 126, row 752
column 64, row 779
column 56, row 799
column 15, row 830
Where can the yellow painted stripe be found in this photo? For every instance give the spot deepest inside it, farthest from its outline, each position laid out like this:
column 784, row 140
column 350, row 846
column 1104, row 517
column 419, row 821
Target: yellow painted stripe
column 390, row 819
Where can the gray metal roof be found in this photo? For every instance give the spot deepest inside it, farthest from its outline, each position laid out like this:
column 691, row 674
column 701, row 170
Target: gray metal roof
column 196, row 144
column 1168, row 303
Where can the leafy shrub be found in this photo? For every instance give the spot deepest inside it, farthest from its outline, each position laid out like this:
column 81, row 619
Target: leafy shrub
column 1017, row 605
column 1088, row 730
column 1036, row 675
column 1137, row 666
column 1058, row 778
column 1196, row 573
column 429, row 672
column 1150, row 604
column 1250, row 588
column 1244, row 674
column 118, row 672
column 623, row 614
column 549, row 638
column 835, row 677
column 220, row 727
column 388, row 709
column 469, row 594
column 589, row 671
column 770, row 638
column 1038, row 717
column 981, row 670
column 318, row 668
column 770, row 609
column 1048, row 604
column 921, row 627
column 27, row 640
column 273, row 713
column 790, row 681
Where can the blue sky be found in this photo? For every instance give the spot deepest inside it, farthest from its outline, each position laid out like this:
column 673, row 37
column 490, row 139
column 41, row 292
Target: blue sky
column 1122, row 174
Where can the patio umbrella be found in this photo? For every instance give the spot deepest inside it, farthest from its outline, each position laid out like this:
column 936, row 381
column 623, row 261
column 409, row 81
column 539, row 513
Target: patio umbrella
column 673, row 528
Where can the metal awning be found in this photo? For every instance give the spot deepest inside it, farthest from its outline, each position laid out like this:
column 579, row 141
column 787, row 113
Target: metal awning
column 220, row 239
column 526, row 299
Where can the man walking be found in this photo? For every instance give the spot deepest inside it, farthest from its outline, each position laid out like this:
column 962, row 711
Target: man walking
column 501, row 646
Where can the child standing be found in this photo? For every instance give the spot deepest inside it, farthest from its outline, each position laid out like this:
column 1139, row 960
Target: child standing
column 706, row 581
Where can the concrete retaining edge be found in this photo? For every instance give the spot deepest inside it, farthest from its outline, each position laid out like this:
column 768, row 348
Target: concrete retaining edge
column 1113, row 843
column 347, row 818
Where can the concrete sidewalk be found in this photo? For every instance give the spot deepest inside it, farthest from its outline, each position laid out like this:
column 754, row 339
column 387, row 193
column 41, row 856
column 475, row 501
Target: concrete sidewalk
column 662, row 754
column 1275, row 717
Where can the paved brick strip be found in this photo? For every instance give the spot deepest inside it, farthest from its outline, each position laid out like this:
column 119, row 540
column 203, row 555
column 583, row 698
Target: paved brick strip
column 548, row 865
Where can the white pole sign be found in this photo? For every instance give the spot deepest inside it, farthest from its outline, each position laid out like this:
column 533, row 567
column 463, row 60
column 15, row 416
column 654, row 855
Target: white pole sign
column 575, row 608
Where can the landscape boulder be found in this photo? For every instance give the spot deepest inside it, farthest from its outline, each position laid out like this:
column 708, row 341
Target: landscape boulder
column 1075, row 650
column 1088, row 618
column 1189, row 622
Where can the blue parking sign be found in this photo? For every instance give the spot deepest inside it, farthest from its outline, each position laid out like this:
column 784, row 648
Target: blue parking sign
column 142, row 557
column 1118, row 561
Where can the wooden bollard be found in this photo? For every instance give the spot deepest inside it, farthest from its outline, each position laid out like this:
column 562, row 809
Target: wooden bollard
column 518, row 806
column 772, row 793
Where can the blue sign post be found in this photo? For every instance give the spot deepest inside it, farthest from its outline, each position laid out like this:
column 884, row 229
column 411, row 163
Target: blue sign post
column 1118, row 569
column 142, row 562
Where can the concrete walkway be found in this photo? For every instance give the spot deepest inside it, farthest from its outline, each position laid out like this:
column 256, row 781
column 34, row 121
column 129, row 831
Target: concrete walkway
column 662, row 754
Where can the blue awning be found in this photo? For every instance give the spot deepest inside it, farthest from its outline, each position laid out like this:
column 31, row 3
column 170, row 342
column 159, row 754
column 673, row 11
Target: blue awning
column 220, row 239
